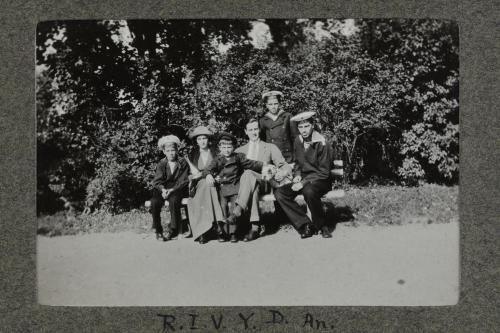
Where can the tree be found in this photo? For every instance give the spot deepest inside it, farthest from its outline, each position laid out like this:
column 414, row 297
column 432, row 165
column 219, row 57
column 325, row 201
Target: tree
column 427, row 50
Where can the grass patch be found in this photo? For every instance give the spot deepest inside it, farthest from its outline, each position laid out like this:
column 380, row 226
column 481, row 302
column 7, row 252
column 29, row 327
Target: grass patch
column 396, row 205
column 380, row 205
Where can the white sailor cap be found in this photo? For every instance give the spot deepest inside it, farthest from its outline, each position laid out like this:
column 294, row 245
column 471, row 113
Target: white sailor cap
column 272, row 93
column 303, row 116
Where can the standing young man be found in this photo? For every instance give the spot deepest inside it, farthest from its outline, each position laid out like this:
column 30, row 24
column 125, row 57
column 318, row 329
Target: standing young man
column 275, row 125
column 312, row 178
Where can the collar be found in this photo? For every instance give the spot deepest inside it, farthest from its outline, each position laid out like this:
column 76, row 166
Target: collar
column 256, row 142
column 315, row 137
column 274, row 117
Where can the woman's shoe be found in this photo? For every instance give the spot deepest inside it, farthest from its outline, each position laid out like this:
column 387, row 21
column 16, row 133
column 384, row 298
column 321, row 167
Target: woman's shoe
column 159, row 236
column 202, row 239
column 233, row 239
column 252, row 235
column 187, row 234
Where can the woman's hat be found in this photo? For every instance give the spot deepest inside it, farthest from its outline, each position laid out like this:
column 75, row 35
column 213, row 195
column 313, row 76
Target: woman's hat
column 200, row 130
column 303, row 116
column 272, row 93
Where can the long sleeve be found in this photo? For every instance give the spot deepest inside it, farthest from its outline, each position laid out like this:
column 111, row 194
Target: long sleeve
column 324, row 158
column 250, row 164
column 160, row 176
column 296, row 163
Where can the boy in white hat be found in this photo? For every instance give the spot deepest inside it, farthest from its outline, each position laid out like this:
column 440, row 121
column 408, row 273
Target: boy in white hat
column 312, row 178
column 170, row 183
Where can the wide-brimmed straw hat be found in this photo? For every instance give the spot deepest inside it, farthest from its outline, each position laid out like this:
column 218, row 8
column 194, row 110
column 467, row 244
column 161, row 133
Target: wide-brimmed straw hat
column 200, row 130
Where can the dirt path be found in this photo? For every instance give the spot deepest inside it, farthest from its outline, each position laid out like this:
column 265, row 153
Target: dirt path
column 413, row 264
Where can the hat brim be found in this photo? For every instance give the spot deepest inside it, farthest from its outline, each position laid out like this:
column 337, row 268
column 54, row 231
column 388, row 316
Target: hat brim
column 272, row 93
column 303, row 116
column 194, row 135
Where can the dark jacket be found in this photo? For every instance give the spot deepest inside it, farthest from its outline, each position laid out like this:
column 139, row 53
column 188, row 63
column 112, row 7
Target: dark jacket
column 281, row 132
column 164, row 179
column 195, row 155
column 314, row 163
column 230, row 170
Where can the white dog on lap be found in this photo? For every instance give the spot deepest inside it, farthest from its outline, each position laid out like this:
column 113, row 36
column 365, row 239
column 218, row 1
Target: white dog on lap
column 277, row 177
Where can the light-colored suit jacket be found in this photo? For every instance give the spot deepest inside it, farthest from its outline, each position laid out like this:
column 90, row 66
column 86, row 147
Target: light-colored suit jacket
column 269, row 153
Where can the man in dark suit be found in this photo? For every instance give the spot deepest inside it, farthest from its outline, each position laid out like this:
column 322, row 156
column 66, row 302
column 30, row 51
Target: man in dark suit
column 170, row 183
column 312, row 178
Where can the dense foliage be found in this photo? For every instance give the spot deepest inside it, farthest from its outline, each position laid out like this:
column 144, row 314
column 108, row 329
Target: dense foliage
column 386, row 95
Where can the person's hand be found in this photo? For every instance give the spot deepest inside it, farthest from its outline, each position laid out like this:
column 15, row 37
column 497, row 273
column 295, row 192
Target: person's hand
column 165, row 193
column 297, row 187
column 210, row 180
column 196, row 175
column 217, row 179
column 297, row 179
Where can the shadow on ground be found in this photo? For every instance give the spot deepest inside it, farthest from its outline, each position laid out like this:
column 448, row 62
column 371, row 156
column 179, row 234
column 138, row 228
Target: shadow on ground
column 276, row 220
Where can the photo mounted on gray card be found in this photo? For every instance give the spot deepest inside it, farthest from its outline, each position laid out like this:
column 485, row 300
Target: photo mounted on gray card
column 250, row 162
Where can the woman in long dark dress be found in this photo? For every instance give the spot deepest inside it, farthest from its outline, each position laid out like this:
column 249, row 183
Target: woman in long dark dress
column 203, row 207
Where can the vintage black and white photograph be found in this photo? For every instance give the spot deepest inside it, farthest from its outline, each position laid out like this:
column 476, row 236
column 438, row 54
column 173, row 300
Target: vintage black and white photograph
column 254, row 162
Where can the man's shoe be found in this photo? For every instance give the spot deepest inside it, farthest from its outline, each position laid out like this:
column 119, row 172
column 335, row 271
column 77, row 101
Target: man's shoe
column 306, row 232
column 159, row 236
column 233, row 239
column 221, row 237
column 169, row 235
column 325, row 233
column 237, row 211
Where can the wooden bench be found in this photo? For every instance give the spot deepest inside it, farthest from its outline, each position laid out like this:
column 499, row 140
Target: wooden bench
column 337, row 171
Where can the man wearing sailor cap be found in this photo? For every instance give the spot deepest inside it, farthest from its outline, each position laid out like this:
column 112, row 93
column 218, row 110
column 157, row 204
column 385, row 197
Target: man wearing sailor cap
column 312, row 178
column 275, row 125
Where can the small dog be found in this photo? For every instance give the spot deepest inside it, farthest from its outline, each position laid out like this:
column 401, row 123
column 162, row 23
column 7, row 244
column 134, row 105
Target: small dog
column 275, row 176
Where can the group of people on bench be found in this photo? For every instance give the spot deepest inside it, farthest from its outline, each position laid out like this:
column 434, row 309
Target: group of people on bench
column 224, row 186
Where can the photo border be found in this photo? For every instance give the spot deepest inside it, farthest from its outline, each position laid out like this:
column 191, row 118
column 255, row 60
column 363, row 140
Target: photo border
column 478, row 170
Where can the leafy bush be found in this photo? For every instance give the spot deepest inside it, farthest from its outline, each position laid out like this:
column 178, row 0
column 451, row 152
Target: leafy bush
column 115, row 188
column 386, row 96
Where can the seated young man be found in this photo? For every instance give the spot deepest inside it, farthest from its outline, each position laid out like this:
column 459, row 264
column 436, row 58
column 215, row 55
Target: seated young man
column 250, row 182
column 226, row 170
column 170, row 183
column 312, row 178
